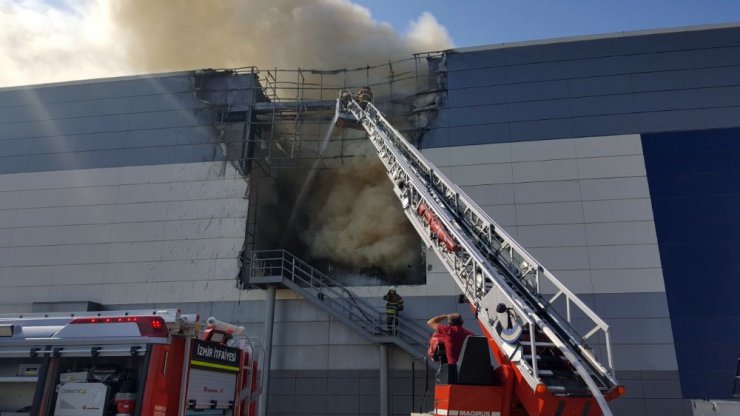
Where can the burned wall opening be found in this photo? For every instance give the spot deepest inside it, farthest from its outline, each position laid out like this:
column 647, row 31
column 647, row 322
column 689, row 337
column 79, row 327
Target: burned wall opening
column 321, row 192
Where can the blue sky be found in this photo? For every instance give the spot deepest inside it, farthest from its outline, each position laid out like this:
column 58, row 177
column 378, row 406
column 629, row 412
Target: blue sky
column 481, row 22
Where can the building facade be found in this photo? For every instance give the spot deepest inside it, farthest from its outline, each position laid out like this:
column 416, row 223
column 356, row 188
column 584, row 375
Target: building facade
column 611, row 158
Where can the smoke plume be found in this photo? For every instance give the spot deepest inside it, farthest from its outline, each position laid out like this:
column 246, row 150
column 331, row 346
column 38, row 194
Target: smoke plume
column 352, row 216
column 94, row 38
column 357, row 221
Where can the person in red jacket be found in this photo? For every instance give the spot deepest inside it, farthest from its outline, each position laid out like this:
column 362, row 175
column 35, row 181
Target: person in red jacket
column 452, row 336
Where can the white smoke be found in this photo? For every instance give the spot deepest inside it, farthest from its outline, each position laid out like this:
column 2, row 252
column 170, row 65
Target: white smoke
column 355, row 218
column 81, row 39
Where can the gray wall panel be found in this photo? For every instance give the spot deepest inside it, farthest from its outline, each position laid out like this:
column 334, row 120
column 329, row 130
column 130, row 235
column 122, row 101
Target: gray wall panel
column 661, row 61
column 603, row 66
column 487, row 114
column 543, row 71
column 466, row 97
column 608, row 125
column 728, row 96
column 665, row 80
column 545, row 90
column 708, row 57
column 479, row 134
column 658, row 121
column 660, row 82
column 601, row 105
column 720, row 76
column 530, row 54
column 666, row 100
column 115, row 122
column 602, row 85
column 539, row 110
column 469, row 78
column 476, row 60
column 530, row 130
column 722, row 117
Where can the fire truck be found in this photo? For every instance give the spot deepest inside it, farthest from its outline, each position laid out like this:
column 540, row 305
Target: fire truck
column 544, row 351
column 126, row 363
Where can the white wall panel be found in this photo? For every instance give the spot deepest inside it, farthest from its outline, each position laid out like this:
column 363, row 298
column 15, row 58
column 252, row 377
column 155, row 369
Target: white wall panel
column 581, row 206
column 611, row 167
column 491, row 194
column 538, row 151
column 56, row 235
column 347, row 357
column 545, row 171
column 562, row 258
column 77, row 274
column 470, row 155
column 644, row 357
column 625, row 280
column 303, row 357
column 629, row 257
column 481, row 174
column 615, row 188
column 628, row 144
column 545, row 192
column 138, row 231
column 578, row 281
column 142, row 234
column 504, row 215
column 618, row 210
column 564, row 235
column 549, row 213
column 611, row 233
column 13, row 276
column 301, row 333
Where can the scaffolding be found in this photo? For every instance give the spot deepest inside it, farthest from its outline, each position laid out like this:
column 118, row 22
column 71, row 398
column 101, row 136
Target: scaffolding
column 289, row 128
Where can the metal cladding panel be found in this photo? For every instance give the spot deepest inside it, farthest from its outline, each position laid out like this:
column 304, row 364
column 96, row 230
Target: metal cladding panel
column 118, row 235
column 136, row 121
column 684, row 80
column 693, row 179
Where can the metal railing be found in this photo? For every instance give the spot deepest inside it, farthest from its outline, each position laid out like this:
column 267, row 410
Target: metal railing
column 320, row 289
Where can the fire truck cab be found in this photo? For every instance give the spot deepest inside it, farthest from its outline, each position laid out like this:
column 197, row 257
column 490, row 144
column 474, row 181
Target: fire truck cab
column 126, row 363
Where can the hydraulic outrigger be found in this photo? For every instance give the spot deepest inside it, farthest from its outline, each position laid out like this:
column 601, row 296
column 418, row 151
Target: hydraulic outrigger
column 545, row 365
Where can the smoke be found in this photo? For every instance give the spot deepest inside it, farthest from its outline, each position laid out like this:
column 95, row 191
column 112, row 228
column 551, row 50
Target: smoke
column 352, row 216
column 95, row 38
column 40, row 43
column 356, row 220
column 267, row 33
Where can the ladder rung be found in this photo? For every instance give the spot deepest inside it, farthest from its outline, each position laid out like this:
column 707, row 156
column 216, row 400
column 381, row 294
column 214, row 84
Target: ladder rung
column 526, row 343
column 547, row 358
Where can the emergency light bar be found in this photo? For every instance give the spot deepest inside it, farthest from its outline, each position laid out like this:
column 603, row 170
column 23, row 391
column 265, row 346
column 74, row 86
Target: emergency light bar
column 6, row 330
column 149, row 326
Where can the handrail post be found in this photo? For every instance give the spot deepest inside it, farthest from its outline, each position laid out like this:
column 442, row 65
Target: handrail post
column 609, row 350
column 533, row 348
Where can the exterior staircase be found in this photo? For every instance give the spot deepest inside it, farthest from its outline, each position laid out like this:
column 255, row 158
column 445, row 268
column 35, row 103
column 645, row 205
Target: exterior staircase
column 280, row 267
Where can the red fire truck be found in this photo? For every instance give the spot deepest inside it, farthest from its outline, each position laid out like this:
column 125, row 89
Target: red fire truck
column 126, row 363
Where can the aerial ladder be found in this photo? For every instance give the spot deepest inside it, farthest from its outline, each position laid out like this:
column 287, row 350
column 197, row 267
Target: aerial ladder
column 545, row 365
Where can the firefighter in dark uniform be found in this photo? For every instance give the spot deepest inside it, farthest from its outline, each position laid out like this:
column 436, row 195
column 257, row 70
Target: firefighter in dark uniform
column 393, row 305
column 344, row 97
column 364, row 96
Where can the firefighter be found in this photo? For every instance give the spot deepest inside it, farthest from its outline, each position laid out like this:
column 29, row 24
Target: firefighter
column 364, row 96
column 452, row 336
column 344, row 97
column 393, row 305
